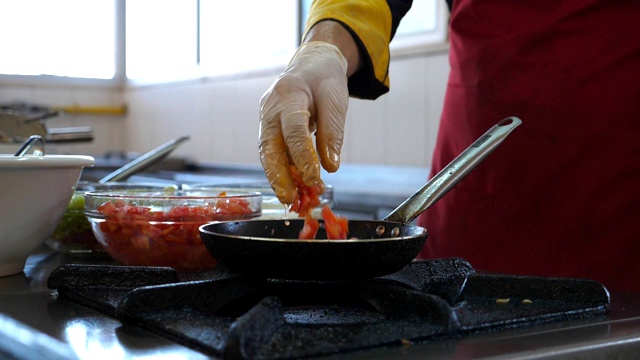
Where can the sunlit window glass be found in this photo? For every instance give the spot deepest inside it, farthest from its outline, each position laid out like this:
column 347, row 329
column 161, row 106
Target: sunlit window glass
column 245, row 35
column 161, row 38
column 72, row 38
column 421, row 18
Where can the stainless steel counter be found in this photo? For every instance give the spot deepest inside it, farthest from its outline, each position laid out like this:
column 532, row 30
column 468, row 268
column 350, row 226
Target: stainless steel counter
column 88, row 334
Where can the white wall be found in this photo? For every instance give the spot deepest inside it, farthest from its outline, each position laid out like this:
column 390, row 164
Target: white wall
column 400, row 127
column 221, row 116
column 108, row 130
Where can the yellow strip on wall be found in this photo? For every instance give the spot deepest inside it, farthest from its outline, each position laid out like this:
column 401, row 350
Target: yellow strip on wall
column 94, row 110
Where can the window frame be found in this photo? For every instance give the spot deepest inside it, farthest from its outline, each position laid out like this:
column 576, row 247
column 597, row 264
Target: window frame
column 426, row 42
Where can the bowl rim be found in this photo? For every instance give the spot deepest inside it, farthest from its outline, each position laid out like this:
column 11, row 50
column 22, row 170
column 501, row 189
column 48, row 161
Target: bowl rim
column 167, row 200
column 46, row 161
column 95, row 186
column 156, row 194
column 262, row 187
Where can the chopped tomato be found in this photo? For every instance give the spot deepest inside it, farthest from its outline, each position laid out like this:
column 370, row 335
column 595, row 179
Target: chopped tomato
column 307, row 198
column 337, row 227
column 310, row 228
column 136, row 235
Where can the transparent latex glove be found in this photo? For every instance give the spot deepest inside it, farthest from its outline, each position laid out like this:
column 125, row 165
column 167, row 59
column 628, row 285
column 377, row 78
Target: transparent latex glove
column 309, row 96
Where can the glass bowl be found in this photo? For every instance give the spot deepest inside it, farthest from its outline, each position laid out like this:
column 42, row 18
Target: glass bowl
column 73, row 234
column 154, row 228
column 272, row 208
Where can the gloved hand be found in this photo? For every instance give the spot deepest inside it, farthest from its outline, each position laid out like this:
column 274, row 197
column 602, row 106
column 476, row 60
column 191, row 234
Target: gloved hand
column 309, row 96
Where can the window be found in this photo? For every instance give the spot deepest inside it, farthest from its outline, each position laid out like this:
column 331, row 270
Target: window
column 422, row 18
column 74, row 38
column 241, row 35
column 183, row 39
column 164, row 40
column 161, row 44
column 424, row 25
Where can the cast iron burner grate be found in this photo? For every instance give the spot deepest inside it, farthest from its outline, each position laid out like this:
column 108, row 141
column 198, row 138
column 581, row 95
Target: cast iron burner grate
column 232, row 316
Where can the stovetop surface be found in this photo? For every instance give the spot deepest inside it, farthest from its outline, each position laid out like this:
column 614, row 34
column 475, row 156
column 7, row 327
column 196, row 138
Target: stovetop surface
column 87, row 331
column 233, row 316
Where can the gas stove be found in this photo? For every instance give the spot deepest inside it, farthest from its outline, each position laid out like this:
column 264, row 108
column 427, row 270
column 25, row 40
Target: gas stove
column 223, row 314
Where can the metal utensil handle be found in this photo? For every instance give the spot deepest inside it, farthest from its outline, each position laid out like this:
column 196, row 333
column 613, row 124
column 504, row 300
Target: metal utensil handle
column 144, row 161
column 35, row 142
column 455, row 171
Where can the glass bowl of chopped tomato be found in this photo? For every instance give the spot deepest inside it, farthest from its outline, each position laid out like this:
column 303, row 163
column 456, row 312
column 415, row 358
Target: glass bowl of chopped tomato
column 157, row 228
column 272, row 208
column 73, row 234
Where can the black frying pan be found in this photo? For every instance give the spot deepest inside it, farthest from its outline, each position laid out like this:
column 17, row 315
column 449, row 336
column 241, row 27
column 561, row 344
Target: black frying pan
column 271, row 249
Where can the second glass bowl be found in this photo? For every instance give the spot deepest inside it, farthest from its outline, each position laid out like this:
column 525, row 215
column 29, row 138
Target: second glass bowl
column 155, row 228
column 272, row 208
column 73, row 234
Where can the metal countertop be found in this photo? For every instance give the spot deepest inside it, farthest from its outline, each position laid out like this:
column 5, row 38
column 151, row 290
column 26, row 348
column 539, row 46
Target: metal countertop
column 91, row 335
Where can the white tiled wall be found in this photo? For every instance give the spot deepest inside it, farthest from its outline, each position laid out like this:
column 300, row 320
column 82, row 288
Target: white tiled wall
column 222, row 116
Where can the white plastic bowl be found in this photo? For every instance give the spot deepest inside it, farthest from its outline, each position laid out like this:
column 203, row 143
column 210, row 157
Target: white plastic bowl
column 34, row 193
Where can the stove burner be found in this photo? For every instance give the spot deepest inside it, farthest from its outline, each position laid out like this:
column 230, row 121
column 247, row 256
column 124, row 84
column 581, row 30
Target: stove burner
column 224, row 314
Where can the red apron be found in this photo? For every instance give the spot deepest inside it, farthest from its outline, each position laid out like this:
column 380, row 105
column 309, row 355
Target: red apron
column 561, row 195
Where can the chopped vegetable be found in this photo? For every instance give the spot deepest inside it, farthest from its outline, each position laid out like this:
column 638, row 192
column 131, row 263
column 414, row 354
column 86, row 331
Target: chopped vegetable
column 307, row 198
column 73, row 233
column 310, row 228
column 337, row 227
column 503, row 301
column 136, row 235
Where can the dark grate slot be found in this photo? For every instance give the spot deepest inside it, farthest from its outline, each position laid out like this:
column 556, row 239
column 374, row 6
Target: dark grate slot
column 503, row 300
column 231, row 316
column 101, row 287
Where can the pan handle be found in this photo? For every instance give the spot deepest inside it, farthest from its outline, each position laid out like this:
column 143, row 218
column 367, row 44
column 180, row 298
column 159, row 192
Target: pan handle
column 455, row 171
column 144, row 161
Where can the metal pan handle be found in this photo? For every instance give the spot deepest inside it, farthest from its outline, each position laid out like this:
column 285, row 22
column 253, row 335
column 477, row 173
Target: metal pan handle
column 144, row 161
column 455, row 171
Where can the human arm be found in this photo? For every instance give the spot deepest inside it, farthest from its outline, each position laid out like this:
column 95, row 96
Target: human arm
column 345, row 51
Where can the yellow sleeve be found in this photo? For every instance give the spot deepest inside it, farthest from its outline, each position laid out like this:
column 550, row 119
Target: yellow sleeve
column 370, row 23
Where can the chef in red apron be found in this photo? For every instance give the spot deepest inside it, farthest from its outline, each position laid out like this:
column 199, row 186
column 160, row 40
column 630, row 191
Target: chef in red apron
column 561, row 196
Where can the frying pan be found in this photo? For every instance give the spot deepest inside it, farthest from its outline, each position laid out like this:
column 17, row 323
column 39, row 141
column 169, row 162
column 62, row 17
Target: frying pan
column 271, row 248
